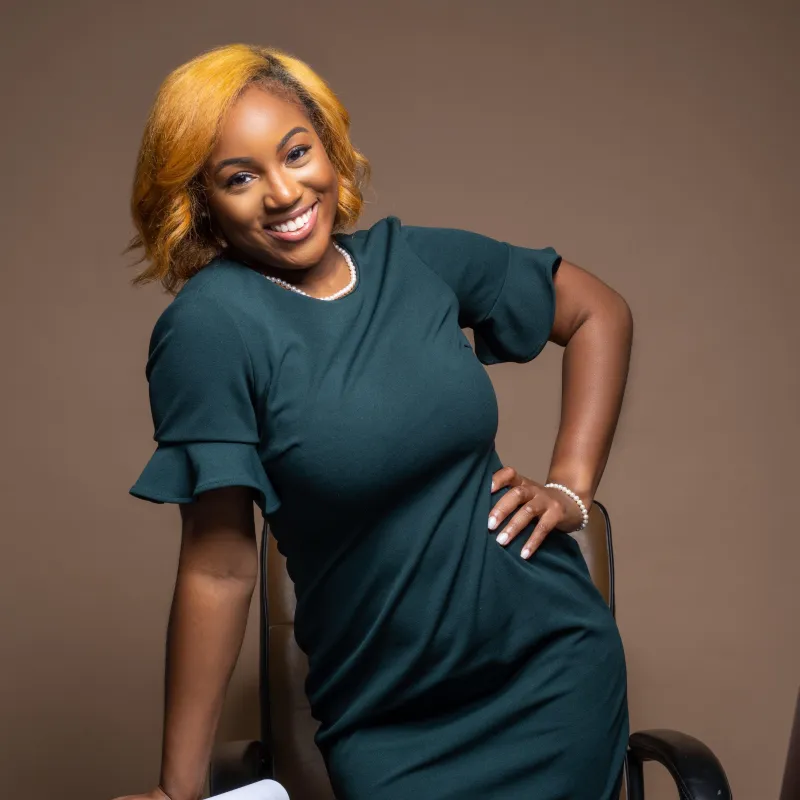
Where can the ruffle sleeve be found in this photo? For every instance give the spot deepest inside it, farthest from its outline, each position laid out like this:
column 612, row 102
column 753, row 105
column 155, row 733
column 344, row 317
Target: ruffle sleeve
column 203, row 403
column 517, row 326
column 505, row 292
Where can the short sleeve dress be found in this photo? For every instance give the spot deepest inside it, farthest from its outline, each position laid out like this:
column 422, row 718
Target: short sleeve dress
column 441, row 664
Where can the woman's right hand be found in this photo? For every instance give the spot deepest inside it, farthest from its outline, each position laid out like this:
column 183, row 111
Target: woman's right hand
column 156, row 794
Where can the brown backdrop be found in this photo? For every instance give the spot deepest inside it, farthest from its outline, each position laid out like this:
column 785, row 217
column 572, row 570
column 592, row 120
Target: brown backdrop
column 653, row 143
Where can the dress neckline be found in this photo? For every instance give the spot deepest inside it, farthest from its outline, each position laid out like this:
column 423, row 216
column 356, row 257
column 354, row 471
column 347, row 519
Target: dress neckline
column 309, row 298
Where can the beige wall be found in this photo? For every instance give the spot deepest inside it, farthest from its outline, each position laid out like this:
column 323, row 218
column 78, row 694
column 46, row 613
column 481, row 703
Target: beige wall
column 653, row 143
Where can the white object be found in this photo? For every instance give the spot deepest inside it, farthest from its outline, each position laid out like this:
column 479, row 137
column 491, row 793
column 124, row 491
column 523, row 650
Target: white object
column 263, row 790
column 577, row 499
column 334, row 296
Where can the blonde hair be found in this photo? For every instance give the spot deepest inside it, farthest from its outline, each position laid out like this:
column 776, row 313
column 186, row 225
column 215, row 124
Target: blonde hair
column 168, row 202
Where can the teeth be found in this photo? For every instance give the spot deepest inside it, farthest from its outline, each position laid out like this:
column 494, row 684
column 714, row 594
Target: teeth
column 293, row 224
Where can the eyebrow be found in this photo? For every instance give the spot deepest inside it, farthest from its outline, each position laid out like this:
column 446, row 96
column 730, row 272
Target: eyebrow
column 248, row 161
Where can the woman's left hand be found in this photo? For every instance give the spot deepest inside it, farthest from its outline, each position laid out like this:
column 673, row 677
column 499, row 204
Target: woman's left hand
column 554, row 508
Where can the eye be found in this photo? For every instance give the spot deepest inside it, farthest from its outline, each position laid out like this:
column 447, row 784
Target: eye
column 233, row 180
column 301, row 149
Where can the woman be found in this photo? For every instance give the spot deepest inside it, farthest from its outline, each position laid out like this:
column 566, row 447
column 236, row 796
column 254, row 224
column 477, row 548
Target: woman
column 325, row 376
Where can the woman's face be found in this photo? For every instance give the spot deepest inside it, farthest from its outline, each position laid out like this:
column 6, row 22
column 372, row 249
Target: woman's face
column 268, row 166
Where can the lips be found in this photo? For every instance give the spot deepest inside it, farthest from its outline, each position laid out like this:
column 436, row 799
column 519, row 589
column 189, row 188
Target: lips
column 300, row 234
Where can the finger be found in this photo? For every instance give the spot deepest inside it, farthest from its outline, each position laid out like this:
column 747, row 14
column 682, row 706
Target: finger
column 546, row 523
column 503, row 477
column 507, row 503
column 523, row 517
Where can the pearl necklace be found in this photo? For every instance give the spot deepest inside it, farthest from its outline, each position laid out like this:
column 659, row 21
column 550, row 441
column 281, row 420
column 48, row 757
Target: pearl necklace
column 334, row 296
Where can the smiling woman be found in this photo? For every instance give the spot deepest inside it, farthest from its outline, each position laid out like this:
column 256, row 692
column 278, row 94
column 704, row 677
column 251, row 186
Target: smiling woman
column 448, row 656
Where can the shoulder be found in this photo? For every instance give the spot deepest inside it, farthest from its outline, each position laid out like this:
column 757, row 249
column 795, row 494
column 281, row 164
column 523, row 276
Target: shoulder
column 375, row 241
column 383, row 228
column 221, row 293
column 431, row 245
column 392, row 227
column 209, row 312
column 223, row 283
column 443, row 249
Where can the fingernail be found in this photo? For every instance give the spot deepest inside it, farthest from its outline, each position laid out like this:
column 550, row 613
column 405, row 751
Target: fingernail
column 492, row 523
column 492, row 485
column 502, row 538
column 525, row 553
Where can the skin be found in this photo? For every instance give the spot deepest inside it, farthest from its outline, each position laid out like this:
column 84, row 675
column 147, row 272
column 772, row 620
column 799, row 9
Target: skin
column 594, row 325
column 281, row 176
column 218, row 565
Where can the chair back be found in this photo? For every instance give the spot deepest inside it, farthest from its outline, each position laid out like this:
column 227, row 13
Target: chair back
column 287, row 725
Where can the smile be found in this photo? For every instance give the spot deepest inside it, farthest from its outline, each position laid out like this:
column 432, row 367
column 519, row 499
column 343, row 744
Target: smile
column 297, row 228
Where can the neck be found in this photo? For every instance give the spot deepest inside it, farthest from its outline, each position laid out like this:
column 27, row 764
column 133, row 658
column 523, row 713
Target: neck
column 326, row 277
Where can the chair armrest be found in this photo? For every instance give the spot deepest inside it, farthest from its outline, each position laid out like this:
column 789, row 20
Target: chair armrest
column 237, row 764
column 695, row 769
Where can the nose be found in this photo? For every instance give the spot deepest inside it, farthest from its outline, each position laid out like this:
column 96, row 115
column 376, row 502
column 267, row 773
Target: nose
column 282, row 191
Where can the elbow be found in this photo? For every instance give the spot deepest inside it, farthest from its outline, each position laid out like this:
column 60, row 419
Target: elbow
column 223, row 556
column 218, row 541
column 610, row 320
column 236, row 570
column 220, row 579
column 623, row 314
column 616, row 312
column 235, row 567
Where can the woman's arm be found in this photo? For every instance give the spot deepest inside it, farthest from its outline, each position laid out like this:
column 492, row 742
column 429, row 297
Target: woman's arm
column 217, row 572
column 595, row 326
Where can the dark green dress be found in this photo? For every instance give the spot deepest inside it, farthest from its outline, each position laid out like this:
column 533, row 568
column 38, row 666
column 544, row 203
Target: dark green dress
column 442, row 665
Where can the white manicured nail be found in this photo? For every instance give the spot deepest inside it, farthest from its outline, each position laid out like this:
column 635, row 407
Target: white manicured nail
column 526, row 553
column 502, row 538
column 492, row 523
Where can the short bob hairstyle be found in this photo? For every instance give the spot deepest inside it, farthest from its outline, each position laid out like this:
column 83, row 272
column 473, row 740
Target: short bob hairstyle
column 168, row 202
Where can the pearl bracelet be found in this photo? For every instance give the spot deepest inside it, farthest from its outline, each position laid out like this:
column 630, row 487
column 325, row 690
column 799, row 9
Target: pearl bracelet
column 577, row 499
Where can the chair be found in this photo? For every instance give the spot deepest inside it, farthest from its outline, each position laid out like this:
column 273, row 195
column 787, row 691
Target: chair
column 286, row 750
column 790, row 787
